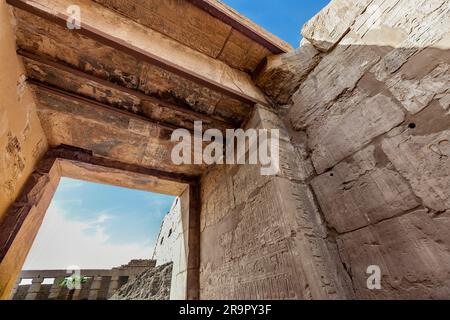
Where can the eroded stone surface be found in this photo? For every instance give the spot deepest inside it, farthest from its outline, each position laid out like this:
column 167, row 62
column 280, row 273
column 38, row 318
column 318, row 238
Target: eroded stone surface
column 152, row 284
column 336, row 74
column 361, row 191
column 424, row 161
column 333, row 22
column 350, row 125
column 412, row 251
column 283, row 74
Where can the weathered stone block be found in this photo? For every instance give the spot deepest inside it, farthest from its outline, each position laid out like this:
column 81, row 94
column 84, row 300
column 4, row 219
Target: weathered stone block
column 351, row 125
column 424, row 161
column 412, row 252
column 283, row 74
column 362, row 191
column 337, row 73
column 416, row 94
column 404, row 28
column 332, row 23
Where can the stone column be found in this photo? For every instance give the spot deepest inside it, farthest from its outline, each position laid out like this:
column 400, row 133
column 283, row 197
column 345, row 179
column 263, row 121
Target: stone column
column 95, row 288
column 113, row 286
column 76, row 294
column 55, row 290
column 34, row 289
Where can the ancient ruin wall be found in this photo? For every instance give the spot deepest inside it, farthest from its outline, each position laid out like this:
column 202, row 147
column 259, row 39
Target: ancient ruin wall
column 368, row 91
column 22, row 141
column 262, row 236
column 21, row 136
column 170, row 235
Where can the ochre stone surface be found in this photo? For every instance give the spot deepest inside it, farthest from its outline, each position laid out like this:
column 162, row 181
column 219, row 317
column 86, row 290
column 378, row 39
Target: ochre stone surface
column 22, row 141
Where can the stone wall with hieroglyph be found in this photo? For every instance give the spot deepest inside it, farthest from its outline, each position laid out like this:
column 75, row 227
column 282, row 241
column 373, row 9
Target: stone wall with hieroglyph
column 371, row 105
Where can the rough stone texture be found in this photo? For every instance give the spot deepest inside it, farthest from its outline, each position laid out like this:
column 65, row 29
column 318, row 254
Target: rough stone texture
column 368, row 117
column 283, row 74
column 152, row 284
column 416, row 94
column 169, row 234
column 333, row 22
column 196, row 28
column 424, row 161
column 362, row 190
column 262, row 237
column 337, row 73
column 22, row 144
column 413, row 252
column 22, row 141
column 374, row 117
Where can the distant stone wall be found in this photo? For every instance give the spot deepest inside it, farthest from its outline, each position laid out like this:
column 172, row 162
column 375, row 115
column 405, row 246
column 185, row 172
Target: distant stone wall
column 169, row 235
column 152, row 284
column 367, row 99
column 172, row 247
column 100, row 284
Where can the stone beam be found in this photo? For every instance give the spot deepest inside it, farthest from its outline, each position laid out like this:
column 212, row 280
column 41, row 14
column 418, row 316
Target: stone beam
column 227, row 15
column 217, row 123
column 114, row 30
column 99, row 105
column 86, row 157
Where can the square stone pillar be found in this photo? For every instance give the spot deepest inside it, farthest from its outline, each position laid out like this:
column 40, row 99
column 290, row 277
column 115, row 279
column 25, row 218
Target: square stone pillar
column 56, row 288
column 113, row 286
column 34, row 289
column 95, row 288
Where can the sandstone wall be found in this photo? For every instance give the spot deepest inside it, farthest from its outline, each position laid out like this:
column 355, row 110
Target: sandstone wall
column 262, row 236
column 372, row 101
column 22, row 141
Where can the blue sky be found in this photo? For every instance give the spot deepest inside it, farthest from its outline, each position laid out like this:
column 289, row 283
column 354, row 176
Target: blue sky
column 284, row 18
column 99, row 226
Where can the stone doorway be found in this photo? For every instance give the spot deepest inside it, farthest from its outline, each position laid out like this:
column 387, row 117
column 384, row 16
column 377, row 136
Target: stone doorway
column 26, row 216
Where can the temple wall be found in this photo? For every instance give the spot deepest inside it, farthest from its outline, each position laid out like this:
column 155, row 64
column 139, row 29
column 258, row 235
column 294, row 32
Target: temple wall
column 171, row 245
column 22, row 141
column 169, row 236
column 368, row 92
column 262, row 236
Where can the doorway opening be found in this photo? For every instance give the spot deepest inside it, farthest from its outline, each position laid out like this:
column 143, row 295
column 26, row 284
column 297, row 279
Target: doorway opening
column 100, row 224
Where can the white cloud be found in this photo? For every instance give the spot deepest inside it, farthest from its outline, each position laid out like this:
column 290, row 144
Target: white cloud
column 62, row 242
